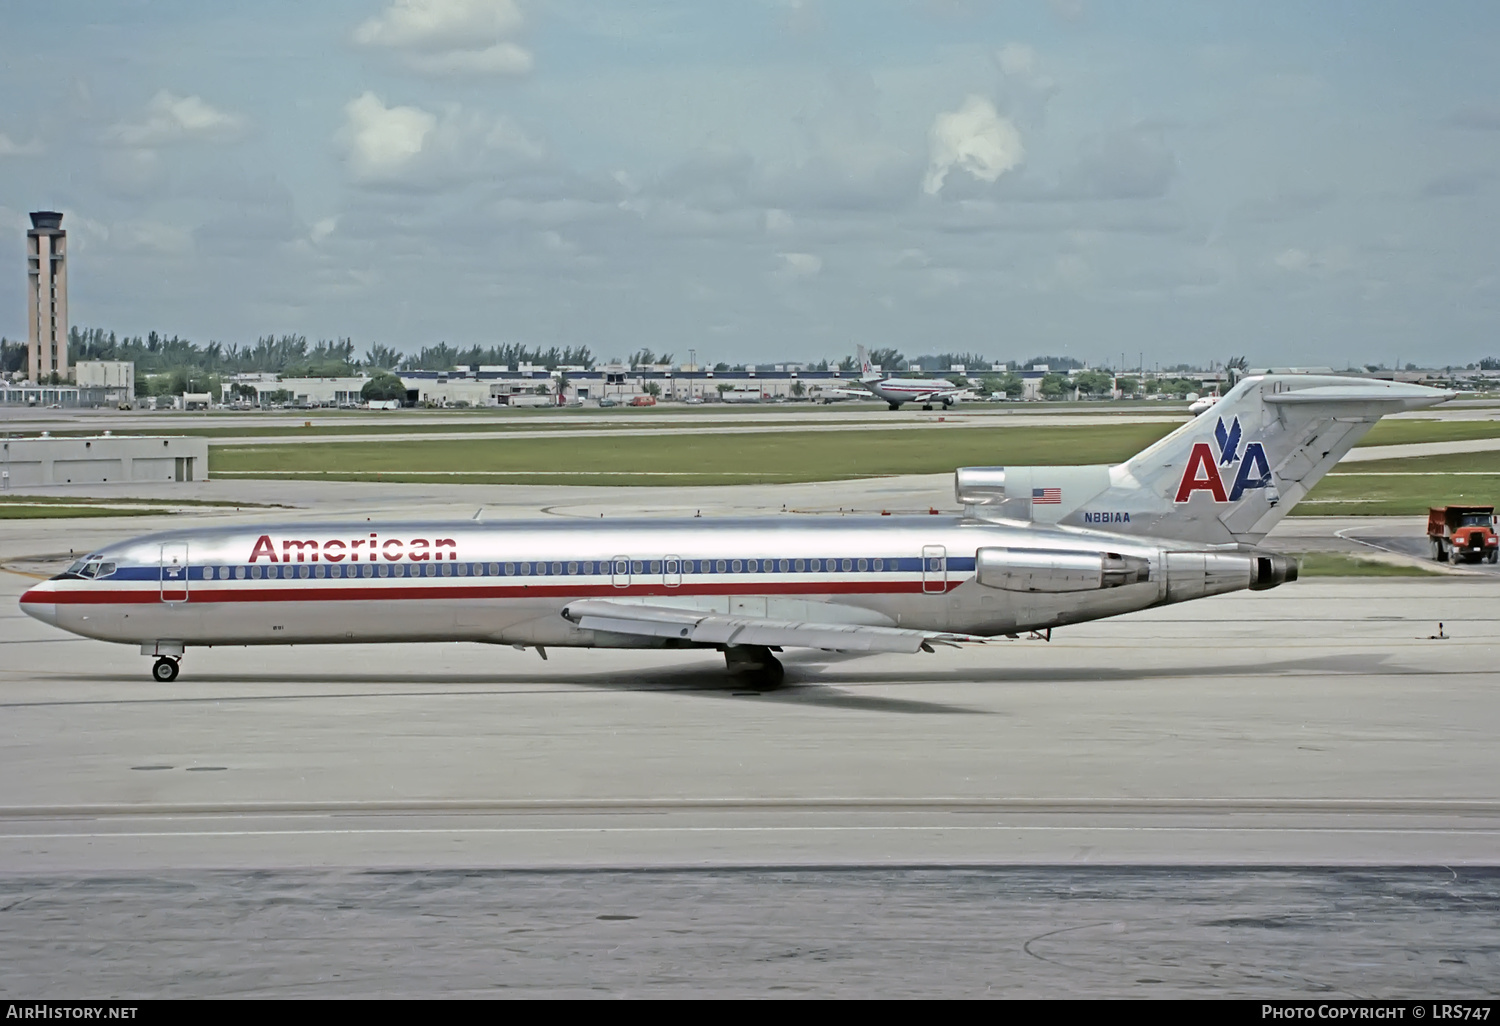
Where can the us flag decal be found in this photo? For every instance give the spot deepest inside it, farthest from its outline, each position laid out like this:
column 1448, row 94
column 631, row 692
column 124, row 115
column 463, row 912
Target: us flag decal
column 1046, row 495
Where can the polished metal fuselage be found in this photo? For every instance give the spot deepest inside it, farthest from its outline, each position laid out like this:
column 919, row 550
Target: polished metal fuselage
column 508, row 582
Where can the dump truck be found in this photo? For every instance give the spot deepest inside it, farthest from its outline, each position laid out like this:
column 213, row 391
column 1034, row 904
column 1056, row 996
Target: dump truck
column 1462, row 533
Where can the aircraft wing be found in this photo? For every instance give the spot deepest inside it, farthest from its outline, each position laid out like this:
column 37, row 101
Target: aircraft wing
column 722, row 629
column 942, row 393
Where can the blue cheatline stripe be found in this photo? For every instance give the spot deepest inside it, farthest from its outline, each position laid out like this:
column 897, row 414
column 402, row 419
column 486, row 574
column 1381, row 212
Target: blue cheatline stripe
column 693, row 568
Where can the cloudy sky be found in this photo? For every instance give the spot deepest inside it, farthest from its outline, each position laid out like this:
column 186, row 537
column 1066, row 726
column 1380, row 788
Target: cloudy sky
column 770, row 179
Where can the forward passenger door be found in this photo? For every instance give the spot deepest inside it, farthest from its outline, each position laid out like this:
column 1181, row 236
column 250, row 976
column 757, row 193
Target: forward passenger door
column 174, row 572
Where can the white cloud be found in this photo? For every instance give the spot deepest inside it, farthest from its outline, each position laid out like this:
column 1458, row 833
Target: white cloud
column 779, row 222
column 450, row 37
column 323, row 228
column 800, row 265
column 1293, row 259
column 384, row 141
column 415, row 148
column 150, row 237
column 170, row 118
column 1333, row 260
column 10, row 148
column 1017, row 59
column 974, row 138
column 500, row 59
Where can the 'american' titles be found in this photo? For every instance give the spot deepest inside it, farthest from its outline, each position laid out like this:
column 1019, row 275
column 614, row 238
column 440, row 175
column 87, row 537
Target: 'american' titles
column 335, row 550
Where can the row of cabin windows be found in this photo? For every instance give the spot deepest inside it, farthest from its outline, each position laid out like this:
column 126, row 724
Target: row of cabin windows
column 620, row 567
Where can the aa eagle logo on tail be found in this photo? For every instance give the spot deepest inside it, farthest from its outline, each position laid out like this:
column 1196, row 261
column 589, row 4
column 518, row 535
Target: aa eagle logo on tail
column 1202, row 471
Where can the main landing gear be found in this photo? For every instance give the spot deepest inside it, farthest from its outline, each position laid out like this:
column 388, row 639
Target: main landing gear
column 755, row 665
column 165, row 669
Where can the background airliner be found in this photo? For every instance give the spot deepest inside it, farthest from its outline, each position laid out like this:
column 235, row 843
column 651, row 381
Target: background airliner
column 1035, row 548
column 896, row 391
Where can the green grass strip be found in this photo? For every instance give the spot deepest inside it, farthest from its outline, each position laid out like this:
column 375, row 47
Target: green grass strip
column 1410, row 432
column 779, row 456
column 1369, row 495
column 1339, row 564
column 11, row 511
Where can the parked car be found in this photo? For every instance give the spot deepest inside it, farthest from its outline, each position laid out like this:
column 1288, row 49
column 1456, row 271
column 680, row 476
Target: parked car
column 606, row 403
column 694, row 400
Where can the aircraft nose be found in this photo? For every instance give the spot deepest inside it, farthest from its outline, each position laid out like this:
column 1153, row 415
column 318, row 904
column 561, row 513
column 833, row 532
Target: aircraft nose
column 39, row 604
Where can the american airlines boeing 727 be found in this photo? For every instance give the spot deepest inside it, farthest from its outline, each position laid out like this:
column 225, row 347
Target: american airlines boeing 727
column 1035, row 548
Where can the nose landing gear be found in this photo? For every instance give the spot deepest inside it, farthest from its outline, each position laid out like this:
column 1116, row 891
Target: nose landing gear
column 165, row 670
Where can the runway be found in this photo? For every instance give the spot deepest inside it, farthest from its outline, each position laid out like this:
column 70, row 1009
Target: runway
column 1248, row 795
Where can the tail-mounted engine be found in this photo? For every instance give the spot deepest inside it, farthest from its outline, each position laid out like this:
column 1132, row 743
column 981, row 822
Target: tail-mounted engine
column 1187, row 575
column 1057, row 570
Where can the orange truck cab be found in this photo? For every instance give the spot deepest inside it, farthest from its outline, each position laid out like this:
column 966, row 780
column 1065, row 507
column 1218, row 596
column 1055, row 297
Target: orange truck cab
column 1462, row 533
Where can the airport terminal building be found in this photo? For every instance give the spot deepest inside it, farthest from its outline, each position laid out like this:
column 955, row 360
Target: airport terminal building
column 531, row 385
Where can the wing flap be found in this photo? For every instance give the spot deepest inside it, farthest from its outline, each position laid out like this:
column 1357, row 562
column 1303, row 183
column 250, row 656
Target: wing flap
column 718, row 629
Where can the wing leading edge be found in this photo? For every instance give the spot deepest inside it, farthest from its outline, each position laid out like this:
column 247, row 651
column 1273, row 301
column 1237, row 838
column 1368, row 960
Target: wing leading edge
column 719, row 629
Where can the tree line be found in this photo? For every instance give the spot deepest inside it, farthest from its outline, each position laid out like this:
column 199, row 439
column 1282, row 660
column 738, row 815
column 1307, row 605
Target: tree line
column 287, row 355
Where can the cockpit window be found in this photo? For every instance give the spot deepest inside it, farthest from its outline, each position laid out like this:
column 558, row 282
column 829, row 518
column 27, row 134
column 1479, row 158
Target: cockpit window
column 87, row 568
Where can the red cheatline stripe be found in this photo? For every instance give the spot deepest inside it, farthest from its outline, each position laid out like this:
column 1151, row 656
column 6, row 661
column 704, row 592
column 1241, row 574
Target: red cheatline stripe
column 205, row 594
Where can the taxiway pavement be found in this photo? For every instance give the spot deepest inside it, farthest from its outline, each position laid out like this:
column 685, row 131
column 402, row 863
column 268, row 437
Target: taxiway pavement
column 1293, row 793
column 1322, row 723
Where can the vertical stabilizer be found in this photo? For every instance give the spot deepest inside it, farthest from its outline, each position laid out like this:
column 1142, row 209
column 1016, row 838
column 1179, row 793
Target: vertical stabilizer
column 1231, row 474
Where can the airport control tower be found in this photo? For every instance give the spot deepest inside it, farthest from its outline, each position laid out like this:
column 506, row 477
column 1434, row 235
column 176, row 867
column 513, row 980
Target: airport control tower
column 47, row 296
